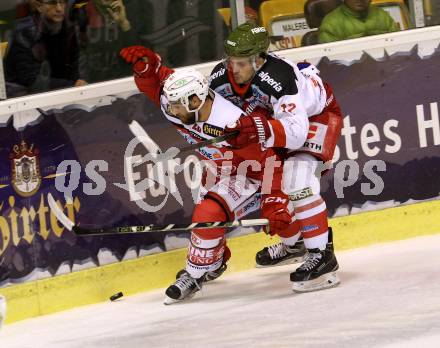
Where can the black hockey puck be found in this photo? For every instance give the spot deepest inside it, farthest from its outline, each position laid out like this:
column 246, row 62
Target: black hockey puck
column 116, row 296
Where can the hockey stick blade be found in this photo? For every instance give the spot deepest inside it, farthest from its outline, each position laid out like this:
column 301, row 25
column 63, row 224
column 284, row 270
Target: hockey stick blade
column 56, row 210
column 209, row 142
column 80, row 231
column 41, row 111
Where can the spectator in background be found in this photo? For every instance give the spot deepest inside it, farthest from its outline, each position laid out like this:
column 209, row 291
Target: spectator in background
column 10, row 11
column 353, row 19
column 255, row 4
column 43, row 53
column 115, row 10
column 105, row 27
column 25, row 8
column 194, row 33
column 251, row 15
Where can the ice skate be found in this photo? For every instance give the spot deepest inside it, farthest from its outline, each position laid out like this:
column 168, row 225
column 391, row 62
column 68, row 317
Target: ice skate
column 212, row 275
column 280, row 254
column 184, row 288
column 317, row 272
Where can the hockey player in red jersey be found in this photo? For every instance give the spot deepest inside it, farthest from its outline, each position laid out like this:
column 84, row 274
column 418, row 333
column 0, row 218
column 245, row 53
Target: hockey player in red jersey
column 187, row 101
column 306, row 122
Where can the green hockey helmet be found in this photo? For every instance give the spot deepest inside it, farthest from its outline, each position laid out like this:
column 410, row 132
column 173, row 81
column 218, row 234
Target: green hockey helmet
column 247, row 40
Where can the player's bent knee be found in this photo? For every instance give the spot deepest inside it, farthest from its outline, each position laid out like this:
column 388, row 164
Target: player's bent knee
column 207, row 250
column 209, row 210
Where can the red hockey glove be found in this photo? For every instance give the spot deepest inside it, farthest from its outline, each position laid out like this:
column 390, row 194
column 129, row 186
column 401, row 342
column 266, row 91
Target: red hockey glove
column 132, row 54
column 145, row 62
column 252, row 110
column 274, row 208
column 252, row 129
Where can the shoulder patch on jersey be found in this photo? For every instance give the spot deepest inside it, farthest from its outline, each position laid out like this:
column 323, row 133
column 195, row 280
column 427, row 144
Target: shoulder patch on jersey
column 218, row 76
column 265, row 77
column 277, row 77
column 195, row 135
column 301, row 194
column 211, row 130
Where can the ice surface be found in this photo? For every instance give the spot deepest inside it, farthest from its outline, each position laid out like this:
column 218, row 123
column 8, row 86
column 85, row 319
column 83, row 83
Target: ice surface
column 389, row 297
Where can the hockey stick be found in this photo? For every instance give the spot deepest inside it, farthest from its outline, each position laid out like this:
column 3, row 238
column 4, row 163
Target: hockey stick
column 145, row 139
column 216, row 140
column 146, row 228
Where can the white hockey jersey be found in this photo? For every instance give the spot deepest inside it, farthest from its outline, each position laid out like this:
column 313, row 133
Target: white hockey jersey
column 222, row 113
column 292, row 92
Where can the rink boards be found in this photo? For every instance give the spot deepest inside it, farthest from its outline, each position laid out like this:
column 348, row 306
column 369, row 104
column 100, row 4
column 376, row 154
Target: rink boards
column 156, row 271
column 92, row 285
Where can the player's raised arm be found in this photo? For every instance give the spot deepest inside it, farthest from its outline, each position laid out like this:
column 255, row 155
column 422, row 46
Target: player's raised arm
column 148, row 71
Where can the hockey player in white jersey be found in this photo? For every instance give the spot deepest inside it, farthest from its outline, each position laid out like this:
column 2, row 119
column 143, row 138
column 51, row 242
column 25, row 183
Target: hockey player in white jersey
column 200, row 113
column 306, row 122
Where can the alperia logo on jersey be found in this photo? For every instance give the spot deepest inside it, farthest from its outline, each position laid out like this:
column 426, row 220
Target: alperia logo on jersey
column 265, row 77
column 219, row 73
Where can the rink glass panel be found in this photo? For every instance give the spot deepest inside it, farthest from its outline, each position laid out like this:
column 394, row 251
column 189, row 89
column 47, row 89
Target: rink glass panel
column 182, row 32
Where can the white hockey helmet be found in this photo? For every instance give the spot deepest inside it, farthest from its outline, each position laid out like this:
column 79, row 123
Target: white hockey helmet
column 184, row 83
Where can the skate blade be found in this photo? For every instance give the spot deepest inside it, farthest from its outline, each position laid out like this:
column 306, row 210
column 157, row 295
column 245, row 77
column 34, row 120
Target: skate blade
column 282, row 263
column 169, row 301
column 325, row 281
